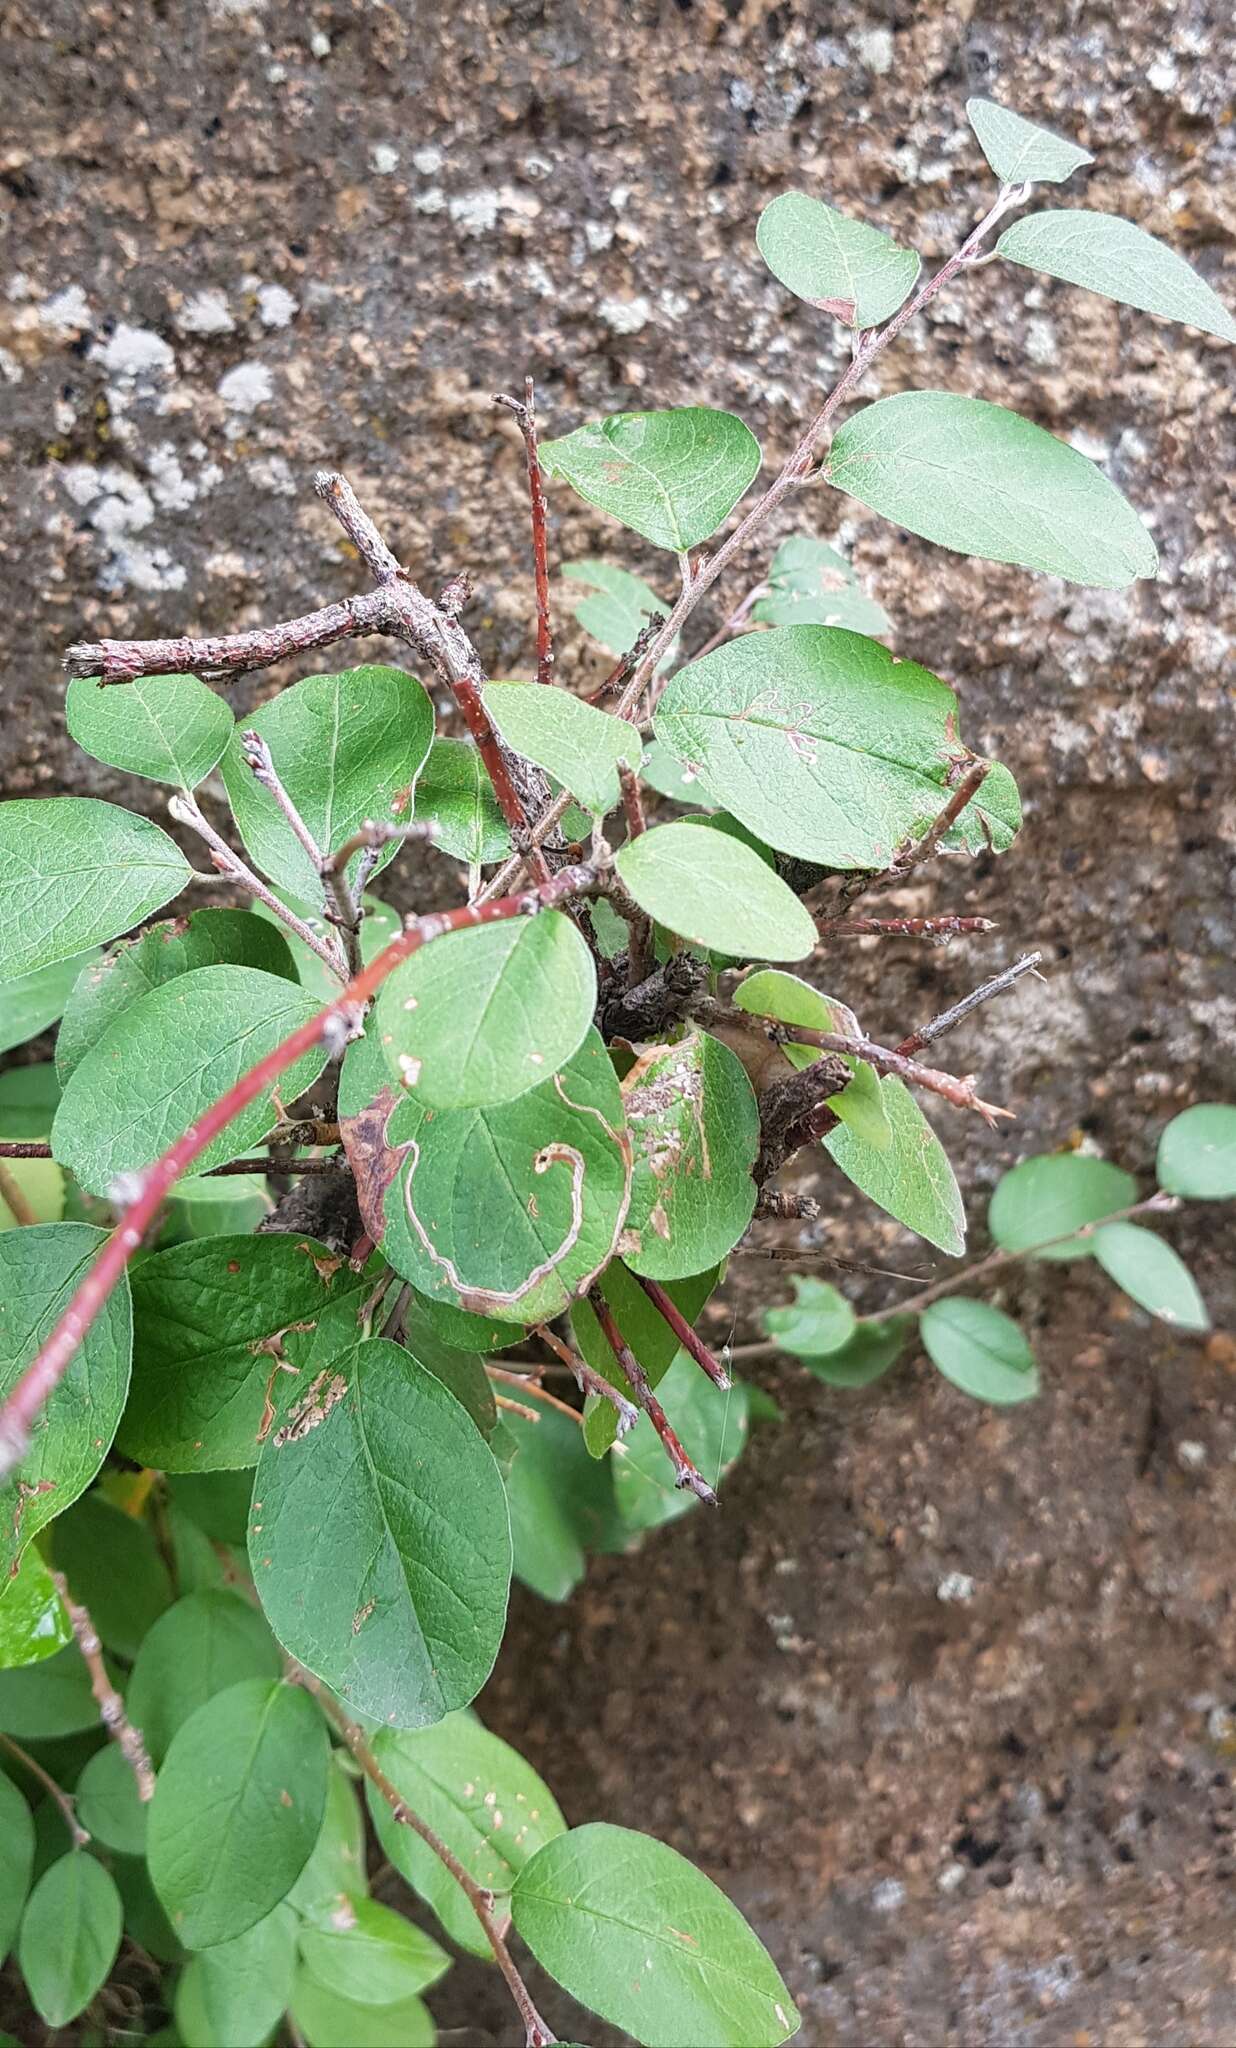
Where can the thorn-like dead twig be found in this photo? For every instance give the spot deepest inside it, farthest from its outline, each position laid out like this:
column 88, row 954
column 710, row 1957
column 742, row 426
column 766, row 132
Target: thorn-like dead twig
column 686, row 1474
column 524, row 412
column 187, row 811
column 948, row 1018
column 692, row 1343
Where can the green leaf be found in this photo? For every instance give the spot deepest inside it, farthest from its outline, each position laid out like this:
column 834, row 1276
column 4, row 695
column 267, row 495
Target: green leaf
column 170, row 1056
column 623, row 606
column 670, row 777
column 380, row 1543
column 28, row 1099
column 70, row 1933
column 1197, row 1153
column 1151, row 1274
column 373, row 1957
column 237, row 1992
column 40, row 1268
column 346, row 748
column 237, row 1809
column 1053, row 1196
column 561, row 1501
column 771, row 993
column 1019, row 151
column 114, row 1568
column 480, row 1798
column 48, row 1699
column 202, row 1645
column 823, row 744
column 16, row 1860
column 335, row 1874
column 33, row 1623
column 74, row 871
column 811, row 584
column 819, row 1320
column 695, row 1132
column 635, row 1932
column 980, row 1350
column 1111, row 256
column 844, row 267
column 712, row 1426
column 481, row 1016
column 983, row 481
column 456, row 1328
column 716, row 892
column 32, row 1002
column 210, row 1318
column 572, row 740
column 217, row 1502
column 455, row 794
column 204, row 1207
column 108, row 1805
column 328, row 2021
column 912, row 1179
column 672, row 476
column 110, row 983
column 645, row 1330
column 166, row 728
column 872, row 1349
column 510, row 1211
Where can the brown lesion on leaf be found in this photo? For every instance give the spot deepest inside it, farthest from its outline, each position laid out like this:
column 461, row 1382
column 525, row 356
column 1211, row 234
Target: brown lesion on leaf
column 375, row 1164
column 362, row 1615
column 313, row 1407
column 25, row 1494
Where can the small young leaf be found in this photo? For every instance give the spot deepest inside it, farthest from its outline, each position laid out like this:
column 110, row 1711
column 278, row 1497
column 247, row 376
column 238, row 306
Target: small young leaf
column 113, row 1566
column 237, row 1809
column 712, row 1426
column 645, row 1330
column 623, row 606
column 844, row 267
column 40, row 1268
column 380, row 1541
column 1119, row 261
column 166, row 728
column 168, row 1057
column 561, row 1501
column 695, row 1132
column 70, row 1933
column 872, row 1349
column 327, row 2021
column 459, row 1778
column 823, row 744
column 481, row 1016
column 16, row 1860
column 346, row 748
column 335, row 1876
column 980, row 1350
column 109, row 983
column 108, row 1805
column 33, row 1623
column 1019, row 151
column 32, row 1002
column 573, row 741
column 981, row 480
column 1197, row 1153
column 455, row 794
column 772, row 993
column 714, row 891
column 810, row 584
column 672, row 476
column 911, row 1179
column 631, row 1929
column 1053, row 1196
column 819, row 1319
column 373, row 1957
column 1151, row 1274
column 205, row 1643
column 73, row 872
column 237, row 1991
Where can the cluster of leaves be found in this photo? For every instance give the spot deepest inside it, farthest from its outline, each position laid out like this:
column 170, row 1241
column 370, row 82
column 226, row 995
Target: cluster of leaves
column 258, row 1413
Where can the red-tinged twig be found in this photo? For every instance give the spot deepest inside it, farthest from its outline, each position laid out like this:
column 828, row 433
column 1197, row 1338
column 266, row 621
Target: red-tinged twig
column 524, row 411
column 187, row 811
column 537, row 2033
column 13, row 1148
column 63, row 1799
column 12, row 1196
column 690, row 1339
column 532, row 1387
column 902, row 927
column 332, row 1026
column 887, row 1059
column 686, row 1474
column 588, row 1380
column 947, row 1019
column 128, row 1739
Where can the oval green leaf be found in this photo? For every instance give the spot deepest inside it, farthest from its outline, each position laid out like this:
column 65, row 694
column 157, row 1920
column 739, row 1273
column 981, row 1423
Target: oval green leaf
column 811, row 584
column 380, row 1541
column 237, row 1809
column 32, row 1002
column 70, row 1933
column 981, row 480
column 1019, row 151
column 166, row 728
column 1111, row 256
column 237, row 1991
column 1052, row 1197
column 481, row 1016
column 48, row 1699
column 33, row 1623
column 327, row 2021
column 171, row 1055
column 572, row 740
column 872, row 1349
column 1197, row 1153
column 980, row 1350
column 108, row 1805
column 335, row 1874
column 621, row 608
column 73, row 872
column 16, row 1860
column 911, row 1178
column 818, row 1320
column 372, row 1956
column 672, row 476
column 203, row 1644
column 634, row 1931
column 695, row 1132
column 114, row 1567
column 455, row 794
column 40, row 1267
column 844, row 267
column 1151, row 1274
column 716, row 892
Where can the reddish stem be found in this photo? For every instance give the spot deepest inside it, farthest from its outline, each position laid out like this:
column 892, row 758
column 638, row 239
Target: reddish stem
column 690, row 1340
column 686, row 1474
column 525, row 418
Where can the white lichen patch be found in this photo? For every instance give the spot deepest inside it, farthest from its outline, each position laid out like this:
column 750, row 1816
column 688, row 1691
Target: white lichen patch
column 246, row 387
column 205, row 313
column 276, row 305
column 133, row 352
column 67, row 311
